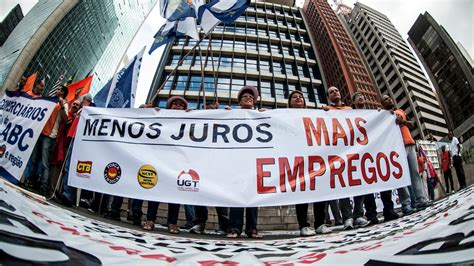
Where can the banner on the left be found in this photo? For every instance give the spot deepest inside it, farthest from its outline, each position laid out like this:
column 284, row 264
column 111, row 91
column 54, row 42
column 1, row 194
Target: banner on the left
column 22, row 119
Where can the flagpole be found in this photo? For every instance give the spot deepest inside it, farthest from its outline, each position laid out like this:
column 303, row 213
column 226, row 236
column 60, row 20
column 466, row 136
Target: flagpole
column 202, row 87
column 209, row 50
column 155, row 96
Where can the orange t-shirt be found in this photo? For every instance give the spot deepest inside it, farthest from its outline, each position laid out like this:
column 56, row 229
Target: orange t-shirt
column 48, row 127
column 421, row 164
column 342, row 107
column 445, row 160
column 406, row 135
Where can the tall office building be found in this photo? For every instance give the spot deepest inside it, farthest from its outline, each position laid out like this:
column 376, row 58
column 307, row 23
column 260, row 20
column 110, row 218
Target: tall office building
column 342, row 65
column 9, row 23
column 396, row 71
column 450, row 72
column 267, row 47
column 78, row 37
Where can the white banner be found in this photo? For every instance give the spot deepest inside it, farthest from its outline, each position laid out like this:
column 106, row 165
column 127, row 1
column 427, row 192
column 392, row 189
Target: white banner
column 237, row 158
column 22, row 119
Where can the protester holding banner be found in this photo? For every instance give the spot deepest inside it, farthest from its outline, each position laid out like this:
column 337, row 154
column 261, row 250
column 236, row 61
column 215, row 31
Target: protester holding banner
column 247, row 98
column 201, row 212
column 297, row 100
column 421, row 201
column 44, row 147
column 68, row 193
column 174, row 103
column 358, row 102
column 334, row 97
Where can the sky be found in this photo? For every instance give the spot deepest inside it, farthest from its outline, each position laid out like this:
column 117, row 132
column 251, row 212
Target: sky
column 456, row 16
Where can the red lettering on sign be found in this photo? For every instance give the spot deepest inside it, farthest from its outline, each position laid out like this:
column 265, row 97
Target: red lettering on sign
column 285, row 171
column 261, row 188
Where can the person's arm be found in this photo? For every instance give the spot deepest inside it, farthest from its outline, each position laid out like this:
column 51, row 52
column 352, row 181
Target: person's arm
column 62, row 111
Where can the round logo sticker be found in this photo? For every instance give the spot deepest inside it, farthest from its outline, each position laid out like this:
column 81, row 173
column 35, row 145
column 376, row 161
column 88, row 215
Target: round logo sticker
column 147, row 176
column 112, row 173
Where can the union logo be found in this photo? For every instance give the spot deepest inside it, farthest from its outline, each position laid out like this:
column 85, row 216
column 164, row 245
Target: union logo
column 188, row 181
column 147, row 176
column 84, row 168
column 112, row 173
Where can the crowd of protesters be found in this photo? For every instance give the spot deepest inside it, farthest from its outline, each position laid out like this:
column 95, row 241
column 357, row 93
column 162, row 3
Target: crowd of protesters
column 52, row 153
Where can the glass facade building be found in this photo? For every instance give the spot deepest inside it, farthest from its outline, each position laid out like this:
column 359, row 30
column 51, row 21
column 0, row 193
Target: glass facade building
column 396, row 71
column 450, row 72
column 268, row 47
column 85, row 43
column 89, row 37
column 9, row 23
column 20, row 46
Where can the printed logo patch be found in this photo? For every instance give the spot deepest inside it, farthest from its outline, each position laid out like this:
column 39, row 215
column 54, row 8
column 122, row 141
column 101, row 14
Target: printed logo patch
column 84, row 168
column 188, row 181
column 147, row 176
column 112, row 173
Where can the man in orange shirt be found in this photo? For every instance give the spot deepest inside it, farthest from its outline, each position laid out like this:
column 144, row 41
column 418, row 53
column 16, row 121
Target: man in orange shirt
column 446, row 165
column 43, row 149
column 335, row 103
column 421, row 200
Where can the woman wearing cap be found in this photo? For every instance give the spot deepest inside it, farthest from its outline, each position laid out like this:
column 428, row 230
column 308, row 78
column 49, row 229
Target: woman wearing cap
column 247, row 98
column 297, row 100
column 174, row 103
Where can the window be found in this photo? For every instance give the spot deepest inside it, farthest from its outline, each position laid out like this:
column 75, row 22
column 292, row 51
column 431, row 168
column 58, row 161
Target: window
column 181, row 82
column 195, row 83
column 263, row 47
column 225, row 61
column 264, row 65
column 251, row 64
column 239, row 64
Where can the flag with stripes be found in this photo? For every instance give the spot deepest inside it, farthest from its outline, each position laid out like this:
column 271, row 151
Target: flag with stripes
column 57, row 86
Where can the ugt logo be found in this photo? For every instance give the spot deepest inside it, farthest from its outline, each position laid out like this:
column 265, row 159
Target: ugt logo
column 188, row 181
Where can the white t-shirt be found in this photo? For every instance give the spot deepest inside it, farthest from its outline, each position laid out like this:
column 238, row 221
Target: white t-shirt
column 454, row 146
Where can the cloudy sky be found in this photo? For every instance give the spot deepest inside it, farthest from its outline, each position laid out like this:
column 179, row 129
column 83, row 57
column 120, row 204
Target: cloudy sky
column 456, row 16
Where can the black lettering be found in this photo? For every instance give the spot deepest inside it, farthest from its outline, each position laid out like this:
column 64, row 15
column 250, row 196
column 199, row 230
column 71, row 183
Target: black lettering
column 236, row 135
column 264, row 132
column 223, row 134
column 103, row 126
column 90, row 128
column 204, row 133
column 154, row 127
column 116, row 126
column 140, row 131
column 181, row 133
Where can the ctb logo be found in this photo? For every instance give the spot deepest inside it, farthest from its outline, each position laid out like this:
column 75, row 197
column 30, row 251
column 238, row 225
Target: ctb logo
column 188, row 181
column 84, row 168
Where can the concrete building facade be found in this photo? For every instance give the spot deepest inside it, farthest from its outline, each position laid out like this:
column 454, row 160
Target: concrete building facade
column 267, row 47
column 342, row 64
column 450, row 72
column 396, row 71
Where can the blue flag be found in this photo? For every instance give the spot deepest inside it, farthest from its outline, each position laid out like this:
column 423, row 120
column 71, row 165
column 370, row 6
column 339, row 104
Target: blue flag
column 172, row 29
column 165, row 34
column 226, row 11
column 100, row 99
column 174, row 10
column 119, row 92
